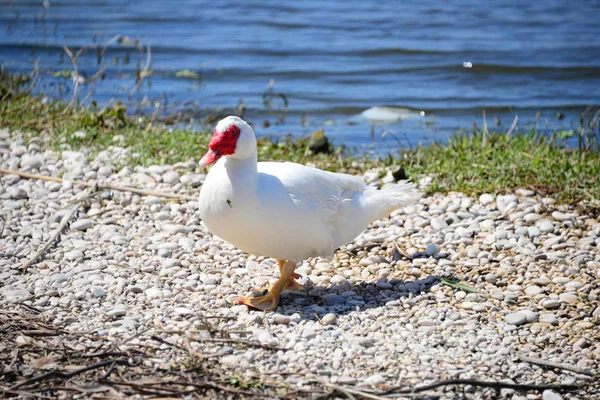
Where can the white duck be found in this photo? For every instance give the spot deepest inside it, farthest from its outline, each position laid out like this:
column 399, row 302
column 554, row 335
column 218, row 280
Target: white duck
column 286, row 211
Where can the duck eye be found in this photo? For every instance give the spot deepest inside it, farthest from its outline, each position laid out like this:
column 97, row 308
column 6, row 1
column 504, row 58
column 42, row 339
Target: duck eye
column 234, row 131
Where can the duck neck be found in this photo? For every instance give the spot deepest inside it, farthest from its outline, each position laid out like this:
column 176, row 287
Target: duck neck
column 242, row 171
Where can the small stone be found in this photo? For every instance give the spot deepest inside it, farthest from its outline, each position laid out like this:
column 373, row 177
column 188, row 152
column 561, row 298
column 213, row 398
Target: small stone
column 15, row 204
column 551, row 395
column 432, row 249
column 170, row 177
column 105, row 171
column 533, row 231
column 560, row 216
column 517, row 318
column 530, row 218
column 337, row 279
column 193, row 180
column 533, row 290
column 438, row 224
column 156, row 169
column 174, row 228
column 570, row 298
column 32, row 161
column 309, row 333
column 486, row 199
column 153, row 293
column 99, row 293
column 548, row 319
column 545, row 226
column 17, row 193
column 531, row 316
column 82, row 224
column 182, row 311
column 73, row 255
column 281, row 319
column 233, row 360
column 329, row 319
column 80, row 135
column 59, row 277
column 333, row 299
column 119, row 311
column 550, row 303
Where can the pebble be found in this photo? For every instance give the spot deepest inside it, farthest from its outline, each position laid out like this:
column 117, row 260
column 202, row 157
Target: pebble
column 551, row 395
column 560, row 216
column 82, row 224
column 170, row 177
column 117, row 312
column 438, row 224
column 516, row 318
column 533, row 290
column 329, row 319
column 32, row 161
column 545, row 226
column 73, row 255
column 59, row 277
column 281, row 319
column 432, row 249
column 337, row 279
column 548, row 319
column 551, row 303
column 17, row 193
column 486, row 199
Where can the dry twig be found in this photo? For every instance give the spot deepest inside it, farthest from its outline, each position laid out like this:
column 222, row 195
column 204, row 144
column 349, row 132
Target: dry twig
column 489, row 384
column 58, row 231
column 102, row 185
column 552, row 364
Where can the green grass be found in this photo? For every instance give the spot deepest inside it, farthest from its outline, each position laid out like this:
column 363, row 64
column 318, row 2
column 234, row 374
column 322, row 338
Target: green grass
column 470, row 163
column 474, row 165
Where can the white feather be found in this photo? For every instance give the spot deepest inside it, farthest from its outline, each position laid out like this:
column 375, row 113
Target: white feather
column 289, row 211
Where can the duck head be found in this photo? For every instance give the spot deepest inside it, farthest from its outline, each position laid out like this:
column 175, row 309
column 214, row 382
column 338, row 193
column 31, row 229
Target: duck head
column 232, row 137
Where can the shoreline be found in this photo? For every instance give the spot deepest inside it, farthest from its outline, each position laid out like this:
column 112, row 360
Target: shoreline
column 474, row 163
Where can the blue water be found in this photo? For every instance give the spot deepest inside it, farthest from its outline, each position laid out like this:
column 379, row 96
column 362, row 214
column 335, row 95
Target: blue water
column 441, row 64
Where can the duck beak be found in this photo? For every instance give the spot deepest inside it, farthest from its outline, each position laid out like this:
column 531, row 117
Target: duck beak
column 210, row 157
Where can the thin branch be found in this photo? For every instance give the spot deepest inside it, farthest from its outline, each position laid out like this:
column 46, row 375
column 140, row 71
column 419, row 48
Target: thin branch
column 57, row 232
column 485, row 130
column 3, row 218
column 223, row 340
column 102, row 185
column 512, row 127
column 490, row 384
column 546, row 363
column 62, row 375
column 76, row 70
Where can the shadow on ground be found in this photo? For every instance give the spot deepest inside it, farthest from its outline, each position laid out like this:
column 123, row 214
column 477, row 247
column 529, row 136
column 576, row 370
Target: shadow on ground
column 316, row 301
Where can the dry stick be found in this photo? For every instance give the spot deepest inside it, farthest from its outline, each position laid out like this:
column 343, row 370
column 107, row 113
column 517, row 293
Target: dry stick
column 342, row 390
column 52, row 239
column 57, row 232
column 475, row 382
column 62, row 375
column 546, row 363
column 101, row 185
column 244, row 343
column 485, row 130
column 513, row 126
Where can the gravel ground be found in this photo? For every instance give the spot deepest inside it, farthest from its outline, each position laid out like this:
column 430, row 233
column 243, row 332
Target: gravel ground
column 131, row 268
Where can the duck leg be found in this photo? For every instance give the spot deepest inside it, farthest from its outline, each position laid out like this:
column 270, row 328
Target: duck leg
column 269, row 301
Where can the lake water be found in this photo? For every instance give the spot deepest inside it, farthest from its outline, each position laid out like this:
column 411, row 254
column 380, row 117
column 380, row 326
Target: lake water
column 436, row 65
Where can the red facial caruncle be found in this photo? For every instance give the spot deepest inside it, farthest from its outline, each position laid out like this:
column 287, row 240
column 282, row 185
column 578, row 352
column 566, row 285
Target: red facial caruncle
column 221, row 144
